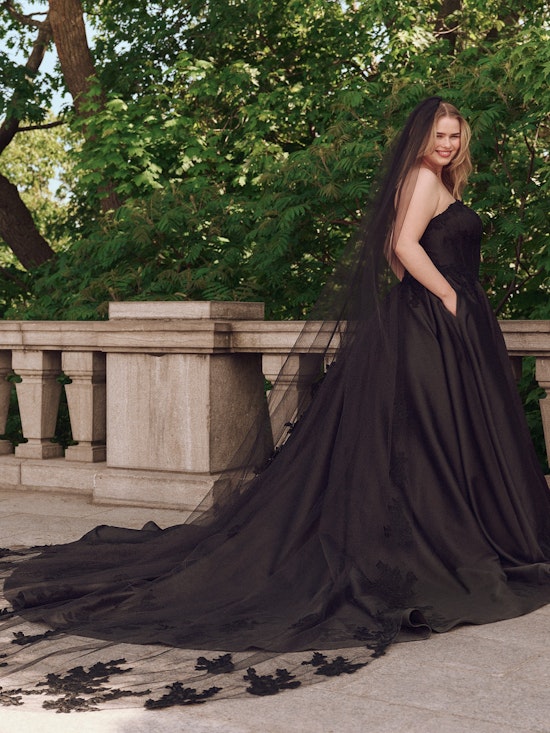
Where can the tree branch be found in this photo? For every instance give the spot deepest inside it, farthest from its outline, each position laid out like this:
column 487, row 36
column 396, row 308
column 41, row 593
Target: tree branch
column 10, row 126
column 42, row 126
column 21, row 17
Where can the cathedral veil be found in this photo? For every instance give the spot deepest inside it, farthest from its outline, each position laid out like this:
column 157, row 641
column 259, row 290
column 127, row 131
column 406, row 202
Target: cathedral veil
column 365, row 273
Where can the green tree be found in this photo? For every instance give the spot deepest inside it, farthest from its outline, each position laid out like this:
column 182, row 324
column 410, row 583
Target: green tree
column 241, row 140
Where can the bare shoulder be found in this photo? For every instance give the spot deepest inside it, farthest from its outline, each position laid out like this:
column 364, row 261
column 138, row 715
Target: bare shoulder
column 421, row 184
column 420, row 194
column 426, row 182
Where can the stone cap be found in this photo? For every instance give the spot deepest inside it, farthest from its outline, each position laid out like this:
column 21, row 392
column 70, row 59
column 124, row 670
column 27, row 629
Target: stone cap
column 187, row 310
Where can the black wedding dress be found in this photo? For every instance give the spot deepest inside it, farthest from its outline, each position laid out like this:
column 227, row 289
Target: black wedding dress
column 408, row 499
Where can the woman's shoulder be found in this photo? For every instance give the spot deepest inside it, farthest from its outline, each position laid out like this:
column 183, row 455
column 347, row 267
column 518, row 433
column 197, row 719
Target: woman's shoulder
column 423, row 183
column 426, row 177
column 421, row 176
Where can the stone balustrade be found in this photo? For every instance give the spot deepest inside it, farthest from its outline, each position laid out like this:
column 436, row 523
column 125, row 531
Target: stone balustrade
column 161, row 395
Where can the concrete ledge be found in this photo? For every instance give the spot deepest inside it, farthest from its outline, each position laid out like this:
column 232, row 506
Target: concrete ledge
column 104, row 485
column 59, row 474
column 154, row 489
column 10, row 472
column 210, row 309
column 526, row 337
column 48, row 475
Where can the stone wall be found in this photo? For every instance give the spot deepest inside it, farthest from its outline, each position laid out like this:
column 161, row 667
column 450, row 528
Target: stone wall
column 161, row 395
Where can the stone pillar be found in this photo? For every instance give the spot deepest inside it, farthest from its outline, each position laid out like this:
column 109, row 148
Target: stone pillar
column 294, row 375
column 38, row 395
column 86, row 395
column 183, row 404
column 181, row 412
column 5, row 393
column 542, row 375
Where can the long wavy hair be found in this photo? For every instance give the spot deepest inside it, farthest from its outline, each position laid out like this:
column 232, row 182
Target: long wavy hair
column 455, row 175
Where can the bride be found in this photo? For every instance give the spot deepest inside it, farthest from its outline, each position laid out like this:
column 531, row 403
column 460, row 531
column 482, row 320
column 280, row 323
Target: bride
column 406, row 499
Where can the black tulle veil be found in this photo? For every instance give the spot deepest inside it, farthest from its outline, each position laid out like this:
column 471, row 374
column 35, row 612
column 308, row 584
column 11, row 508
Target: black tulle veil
column 351, row 297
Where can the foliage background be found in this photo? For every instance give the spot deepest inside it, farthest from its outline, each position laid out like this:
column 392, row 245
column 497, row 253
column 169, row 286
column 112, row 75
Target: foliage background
column 242, row 139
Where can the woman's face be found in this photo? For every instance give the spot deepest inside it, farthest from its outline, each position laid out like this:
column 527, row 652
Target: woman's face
column 447, row 143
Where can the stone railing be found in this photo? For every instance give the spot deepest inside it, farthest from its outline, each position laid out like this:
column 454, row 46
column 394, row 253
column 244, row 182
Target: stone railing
column 159, row 396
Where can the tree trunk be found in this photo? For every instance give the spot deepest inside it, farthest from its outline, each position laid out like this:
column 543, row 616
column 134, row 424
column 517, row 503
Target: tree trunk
column 18, row 229
column 448, row 7
column 69, row 35
column 17, row 226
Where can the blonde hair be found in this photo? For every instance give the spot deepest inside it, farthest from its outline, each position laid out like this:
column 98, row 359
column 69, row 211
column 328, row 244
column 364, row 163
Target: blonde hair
column 455, row 175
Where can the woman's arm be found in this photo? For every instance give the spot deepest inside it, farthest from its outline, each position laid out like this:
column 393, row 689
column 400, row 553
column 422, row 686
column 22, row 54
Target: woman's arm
column 422, row 208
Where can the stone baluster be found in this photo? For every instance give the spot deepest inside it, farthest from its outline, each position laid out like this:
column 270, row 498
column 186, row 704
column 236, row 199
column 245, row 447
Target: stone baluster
column 86, row 395
column 38, row 395
column 5, row 392
column 542, row 375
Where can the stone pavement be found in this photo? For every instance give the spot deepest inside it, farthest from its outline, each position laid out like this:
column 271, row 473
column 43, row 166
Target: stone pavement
column 483, row 679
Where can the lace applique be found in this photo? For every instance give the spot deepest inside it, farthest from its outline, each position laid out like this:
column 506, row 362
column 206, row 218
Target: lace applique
column 219, row 665
column 11, row 697
column 74, row 704
column 70, row 704
column 391, row 584
column 339, row 665
column 378, row 640
column 22, row 639
column 268, row 684
column 179, row 695
column 82, row 690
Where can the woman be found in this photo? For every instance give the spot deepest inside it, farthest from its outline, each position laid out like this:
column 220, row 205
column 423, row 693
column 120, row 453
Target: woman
column 407, row 498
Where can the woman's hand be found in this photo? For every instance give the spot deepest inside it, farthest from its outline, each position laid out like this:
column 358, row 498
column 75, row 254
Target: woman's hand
column 450, row 301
